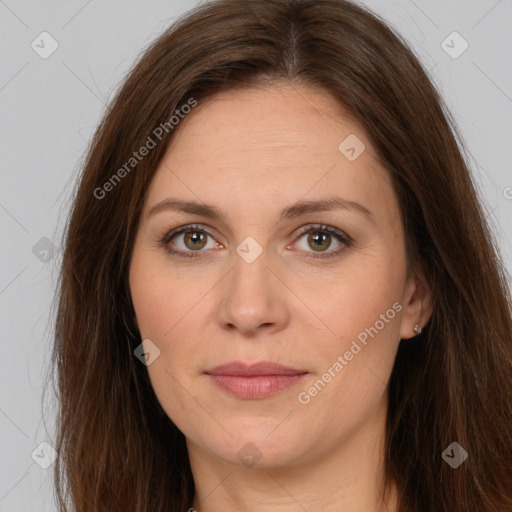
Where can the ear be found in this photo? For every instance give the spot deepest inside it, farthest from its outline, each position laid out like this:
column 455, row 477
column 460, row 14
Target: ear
column 418, row 304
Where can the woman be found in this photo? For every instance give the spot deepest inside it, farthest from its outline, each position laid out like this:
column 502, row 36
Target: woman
column 279, row 291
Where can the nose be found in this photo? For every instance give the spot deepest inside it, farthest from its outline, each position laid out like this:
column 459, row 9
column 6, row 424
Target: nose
column 253, row 299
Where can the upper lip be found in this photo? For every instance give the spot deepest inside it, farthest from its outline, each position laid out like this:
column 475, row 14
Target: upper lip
column 261, row 368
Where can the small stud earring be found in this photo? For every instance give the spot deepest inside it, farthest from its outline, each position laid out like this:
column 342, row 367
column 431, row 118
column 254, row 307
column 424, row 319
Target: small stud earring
column 417, row 328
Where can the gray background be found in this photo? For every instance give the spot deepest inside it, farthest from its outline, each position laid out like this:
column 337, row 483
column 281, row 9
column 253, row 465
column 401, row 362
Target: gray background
column 50, row 108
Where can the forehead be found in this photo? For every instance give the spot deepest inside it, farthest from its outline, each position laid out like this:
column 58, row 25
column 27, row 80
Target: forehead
column 279, row 117
column 269, row 145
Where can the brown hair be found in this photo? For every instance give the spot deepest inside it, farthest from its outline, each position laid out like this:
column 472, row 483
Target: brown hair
column 117, row 449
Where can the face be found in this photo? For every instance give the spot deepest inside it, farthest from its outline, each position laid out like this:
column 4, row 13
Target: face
column 273, row 277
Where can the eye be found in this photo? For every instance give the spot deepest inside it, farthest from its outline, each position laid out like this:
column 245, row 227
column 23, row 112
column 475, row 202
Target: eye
column 190, row 239
column 320, row 239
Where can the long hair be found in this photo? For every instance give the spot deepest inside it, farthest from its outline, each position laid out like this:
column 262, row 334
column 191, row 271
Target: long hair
column 117, row 449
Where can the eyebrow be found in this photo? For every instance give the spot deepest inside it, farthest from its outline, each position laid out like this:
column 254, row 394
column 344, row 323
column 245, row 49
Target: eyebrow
column 293, row 211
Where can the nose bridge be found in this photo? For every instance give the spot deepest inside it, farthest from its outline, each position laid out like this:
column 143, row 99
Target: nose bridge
column 250, row 297
column 249, row 280
column 250, row 270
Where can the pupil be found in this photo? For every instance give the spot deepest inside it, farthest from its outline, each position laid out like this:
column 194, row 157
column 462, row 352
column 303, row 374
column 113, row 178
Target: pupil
column 319, row 239
column 195, row 238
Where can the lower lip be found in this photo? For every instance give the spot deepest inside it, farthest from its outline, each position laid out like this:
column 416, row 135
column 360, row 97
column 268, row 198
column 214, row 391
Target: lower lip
column 259, row 386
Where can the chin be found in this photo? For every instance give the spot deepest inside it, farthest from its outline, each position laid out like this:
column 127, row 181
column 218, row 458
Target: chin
column 258, row 447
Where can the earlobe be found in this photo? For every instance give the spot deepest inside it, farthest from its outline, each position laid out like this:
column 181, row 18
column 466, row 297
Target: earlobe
column 418, row 307
column 417, row 329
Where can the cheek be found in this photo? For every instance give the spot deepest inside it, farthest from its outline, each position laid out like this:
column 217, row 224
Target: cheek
column 155, row 309
column 162, row 297
column 353, row 369
column 166, row 317
column 362, row 311
column 170, row 311
column 356, row 298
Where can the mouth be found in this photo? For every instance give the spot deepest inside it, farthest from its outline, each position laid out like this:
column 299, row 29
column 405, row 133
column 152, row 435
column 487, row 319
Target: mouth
column 255, row 381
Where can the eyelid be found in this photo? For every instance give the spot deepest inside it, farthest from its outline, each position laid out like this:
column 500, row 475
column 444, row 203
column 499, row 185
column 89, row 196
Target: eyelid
column 323, row 227
column 203, row 228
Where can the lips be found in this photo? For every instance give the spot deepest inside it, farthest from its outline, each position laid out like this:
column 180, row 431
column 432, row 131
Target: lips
column 263, row 368
column 254, row 381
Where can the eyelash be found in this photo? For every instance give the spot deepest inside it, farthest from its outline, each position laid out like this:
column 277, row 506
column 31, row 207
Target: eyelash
column 338, row 235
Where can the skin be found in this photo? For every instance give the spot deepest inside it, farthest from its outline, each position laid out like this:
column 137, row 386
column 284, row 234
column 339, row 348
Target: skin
column 252, row 152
